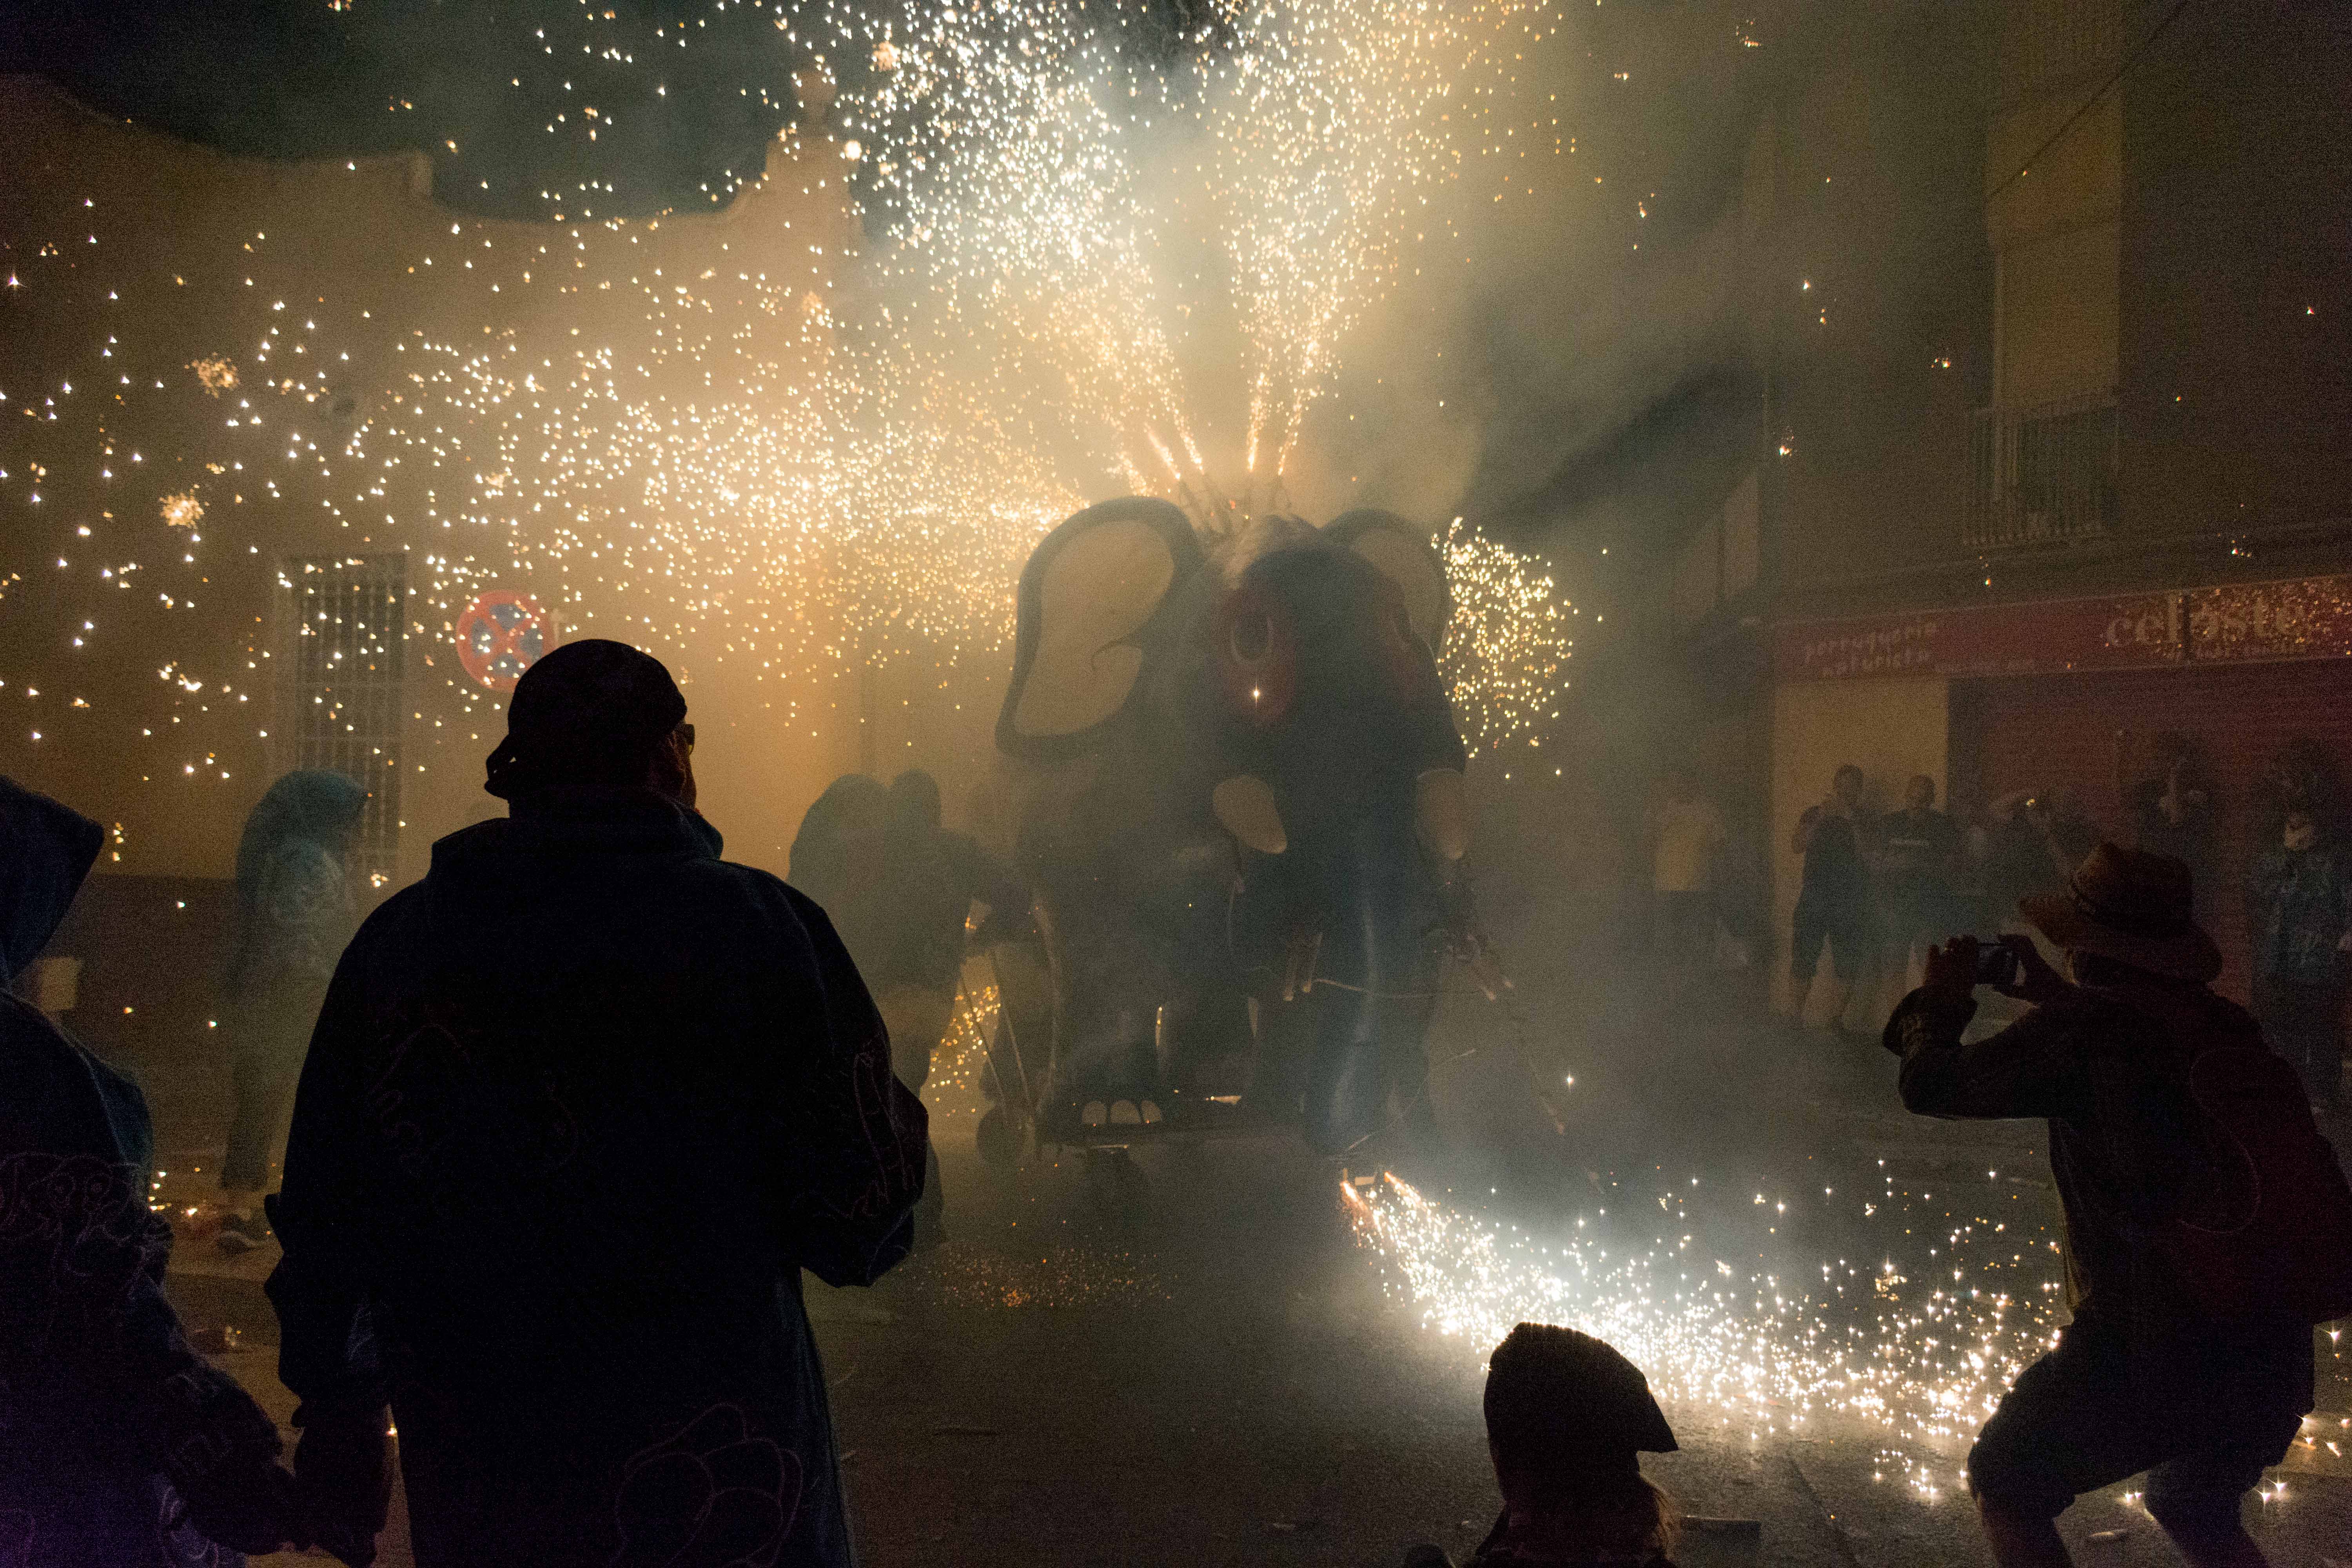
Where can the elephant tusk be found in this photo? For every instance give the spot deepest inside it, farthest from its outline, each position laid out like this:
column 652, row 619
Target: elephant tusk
column 1245, row 805
column 1442, row 813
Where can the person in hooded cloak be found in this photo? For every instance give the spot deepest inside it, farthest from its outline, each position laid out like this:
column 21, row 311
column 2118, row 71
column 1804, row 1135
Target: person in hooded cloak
column 294, row 914
column 1568, row 1419
column 120, row 1445
column 581, row 1105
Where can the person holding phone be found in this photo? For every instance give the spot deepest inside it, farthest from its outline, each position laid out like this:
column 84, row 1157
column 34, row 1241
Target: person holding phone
column 2141, row 1379
column 1834, row 904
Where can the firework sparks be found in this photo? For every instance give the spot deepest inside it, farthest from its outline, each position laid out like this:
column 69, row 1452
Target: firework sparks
column 1507, row 650
column 686, row 436
column 1921, row 1362
column 1049, row 195
column 1327, row 128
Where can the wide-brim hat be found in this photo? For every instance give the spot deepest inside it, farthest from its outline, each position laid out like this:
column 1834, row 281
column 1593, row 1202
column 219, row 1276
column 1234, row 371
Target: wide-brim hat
column 2133, row 906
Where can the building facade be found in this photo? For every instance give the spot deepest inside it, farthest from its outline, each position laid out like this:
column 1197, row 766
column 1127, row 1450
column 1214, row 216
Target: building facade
column 2050, row 483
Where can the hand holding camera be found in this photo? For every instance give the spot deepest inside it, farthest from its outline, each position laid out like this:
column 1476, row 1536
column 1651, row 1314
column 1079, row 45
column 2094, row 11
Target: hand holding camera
column 2010, row 965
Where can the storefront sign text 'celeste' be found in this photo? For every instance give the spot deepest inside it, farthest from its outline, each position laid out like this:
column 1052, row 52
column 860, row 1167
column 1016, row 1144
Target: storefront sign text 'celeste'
column 2242, row 623
column 500, row 635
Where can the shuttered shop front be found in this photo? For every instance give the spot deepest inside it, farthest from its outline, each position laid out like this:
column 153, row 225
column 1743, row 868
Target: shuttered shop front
column 2097, row 734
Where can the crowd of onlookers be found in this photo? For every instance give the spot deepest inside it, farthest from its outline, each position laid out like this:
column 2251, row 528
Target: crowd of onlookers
column 580, row 1107
column 1877, row 886
column 574, row 1113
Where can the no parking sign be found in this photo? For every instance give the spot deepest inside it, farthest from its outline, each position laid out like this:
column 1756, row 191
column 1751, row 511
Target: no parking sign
column 500, row 635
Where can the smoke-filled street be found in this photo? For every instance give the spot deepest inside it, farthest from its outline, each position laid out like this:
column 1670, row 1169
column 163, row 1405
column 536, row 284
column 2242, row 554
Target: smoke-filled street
column 1404, row 784
column 1225, row 1366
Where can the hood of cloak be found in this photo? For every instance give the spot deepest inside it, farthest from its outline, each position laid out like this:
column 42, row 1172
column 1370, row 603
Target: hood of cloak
column 46, row 850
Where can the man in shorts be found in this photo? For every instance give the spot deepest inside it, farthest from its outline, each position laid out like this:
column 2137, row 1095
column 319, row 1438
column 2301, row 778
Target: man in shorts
column 2142, row 1379
column 1833, row 907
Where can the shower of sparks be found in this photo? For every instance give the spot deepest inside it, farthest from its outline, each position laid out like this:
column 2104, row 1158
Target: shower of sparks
column 1085, row 215
column 1506, row 651
column 1327, row 129
column 1918, row 1360
column 1010, row 140
column 215, row 373
column 964, row 1055
column 736, row 436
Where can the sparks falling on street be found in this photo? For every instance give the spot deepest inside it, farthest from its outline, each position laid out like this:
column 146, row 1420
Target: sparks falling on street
column 1920, row 1363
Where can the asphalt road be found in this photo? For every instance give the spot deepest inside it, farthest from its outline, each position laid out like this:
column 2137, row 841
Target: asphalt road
column 1224, row 1369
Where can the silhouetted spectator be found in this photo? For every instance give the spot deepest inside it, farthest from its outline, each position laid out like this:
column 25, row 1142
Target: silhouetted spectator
column 294, row 913
column 838, row 859
column 2172, row 813
column 2302, row 777
column 1685, row 834
column 2299, row 910
column 931, row 878
column 2034, row 841
column 1919, row 851
column 581, row 1105
column 2015, row 859
column 1568, row 1419
column 120, row 1445
column 2143, row 1378
column 1833, row 904
column 2067, row 831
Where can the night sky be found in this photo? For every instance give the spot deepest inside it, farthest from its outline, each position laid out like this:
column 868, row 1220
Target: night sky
column 653, row 105
column 658, row 104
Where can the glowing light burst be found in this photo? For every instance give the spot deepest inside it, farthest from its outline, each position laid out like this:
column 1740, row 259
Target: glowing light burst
column 684, row 434
column 1923, row 1362
column 810, row 480
column 1507, row 648
column 1326, row 128
column 1050, row 193
column 1042, row 183
column 964, row 1055
column 1010, row 140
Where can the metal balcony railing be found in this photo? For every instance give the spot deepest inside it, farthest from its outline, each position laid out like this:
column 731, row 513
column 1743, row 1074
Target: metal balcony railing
column 2042, row 474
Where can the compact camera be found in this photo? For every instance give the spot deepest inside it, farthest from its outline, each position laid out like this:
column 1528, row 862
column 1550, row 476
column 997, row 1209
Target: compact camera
column 1996, row 964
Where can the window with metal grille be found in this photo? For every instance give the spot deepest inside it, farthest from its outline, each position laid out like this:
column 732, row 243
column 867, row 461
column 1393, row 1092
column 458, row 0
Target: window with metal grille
column 343, row 635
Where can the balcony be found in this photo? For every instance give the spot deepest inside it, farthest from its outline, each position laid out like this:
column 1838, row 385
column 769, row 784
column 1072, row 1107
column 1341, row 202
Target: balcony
column 2042, row 475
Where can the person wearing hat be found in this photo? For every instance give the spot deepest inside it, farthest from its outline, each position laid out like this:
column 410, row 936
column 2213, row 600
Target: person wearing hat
column 2142, row 1379
column 1566, row 1421
column 581, row 1106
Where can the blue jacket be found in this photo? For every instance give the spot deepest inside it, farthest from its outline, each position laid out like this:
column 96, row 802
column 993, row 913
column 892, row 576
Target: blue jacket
column 580, row 1107
column 2300, row 906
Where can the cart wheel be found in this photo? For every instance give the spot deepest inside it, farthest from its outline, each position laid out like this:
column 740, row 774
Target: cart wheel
column 999, row 1138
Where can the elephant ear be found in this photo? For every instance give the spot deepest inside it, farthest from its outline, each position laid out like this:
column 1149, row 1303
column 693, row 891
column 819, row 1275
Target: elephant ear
column 1402, row 554
column 1099, row 604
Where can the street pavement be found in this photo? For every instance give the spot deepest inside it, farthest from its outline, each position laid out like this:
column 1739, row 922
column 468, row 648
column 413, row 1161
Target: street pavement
column 1221, row 1369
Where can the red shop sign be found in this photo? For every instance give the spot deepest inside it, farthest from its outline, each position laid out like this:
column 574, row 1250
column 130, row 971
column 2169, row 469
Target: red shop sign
column 2242, row 623
column 500, row 635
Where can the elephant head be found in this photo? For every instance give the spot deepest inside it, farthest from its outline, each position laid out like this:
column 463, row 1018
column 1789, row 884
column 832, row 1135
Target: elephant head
column 1276, row 712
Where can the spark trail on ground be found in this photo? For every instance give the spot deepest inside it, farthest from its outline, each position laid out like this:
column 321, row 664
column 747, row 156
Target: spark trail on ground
column 1913, row 1356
